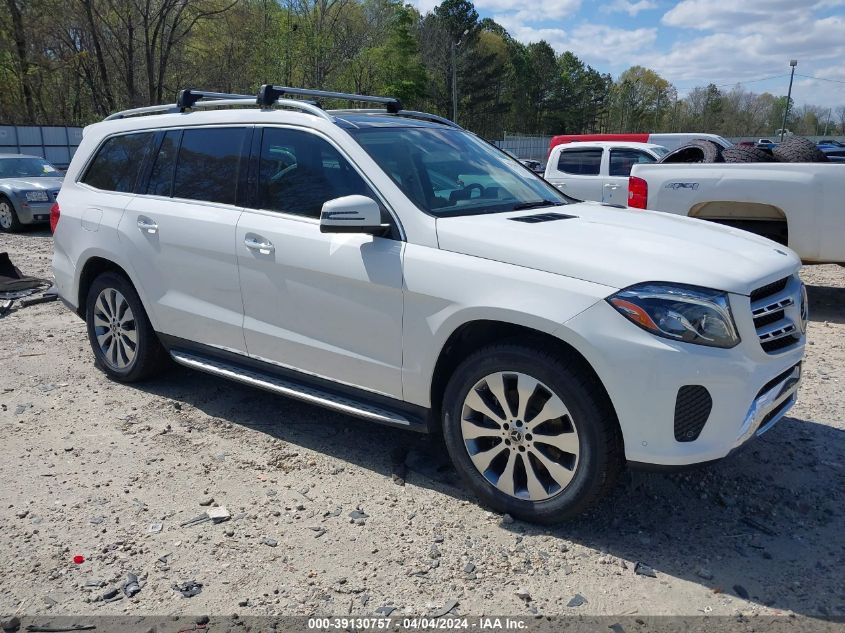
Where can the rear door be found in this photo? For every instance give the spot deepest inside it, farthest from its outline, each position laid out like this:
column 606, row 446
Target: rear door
column 577, row 172
column 620, row 162
column 179, row 233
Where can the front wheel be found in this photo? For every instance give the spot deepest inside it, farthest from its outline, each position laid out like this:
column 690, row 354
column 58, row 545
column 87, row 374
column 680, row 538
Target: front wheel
column 532, row 435
column 9, row 221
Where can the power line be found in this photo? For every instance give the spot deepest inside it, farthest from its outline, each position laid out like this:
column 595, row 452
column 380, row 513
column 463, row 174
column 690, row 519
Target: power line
column 751, row 81
column 836, row 81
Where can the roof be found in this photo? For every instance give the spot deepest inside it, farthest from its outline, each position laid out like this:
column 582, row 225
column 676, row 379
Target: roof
column 611, row 144
column 348, row 119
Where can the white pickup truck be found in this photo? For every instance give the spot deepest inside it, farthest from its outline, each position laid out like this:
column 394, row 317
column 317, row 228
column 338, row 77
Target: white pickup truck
column 598, row 170
column 796, row 204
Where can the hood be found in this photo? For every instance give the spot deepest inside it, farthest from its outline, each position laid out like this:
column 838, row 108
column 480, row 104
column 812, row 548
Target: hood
column 619, row 247
column 32, row 184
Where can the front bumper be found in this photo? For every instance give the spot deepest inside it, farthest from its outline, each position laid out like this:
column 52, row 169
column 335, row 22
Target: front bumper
column 750, row 389
column 33, row 212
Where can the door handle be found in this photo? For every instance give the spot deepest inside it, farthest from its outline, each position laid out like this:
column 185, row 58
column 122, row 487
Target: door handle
column 145, row 224
column 264, row 247
column 611, row 186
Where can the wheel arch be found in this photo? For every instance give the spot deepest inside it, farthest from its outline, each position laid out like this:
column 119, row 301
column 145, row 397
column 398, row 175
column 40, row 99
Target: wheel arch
column 94, row 267
column 473, row 335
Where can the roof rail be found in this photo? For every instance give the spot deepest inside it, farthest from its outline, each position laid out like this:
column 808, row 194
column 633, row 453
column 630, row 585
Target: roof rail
column 268, row 94
column 187, row 98
column 411, row 114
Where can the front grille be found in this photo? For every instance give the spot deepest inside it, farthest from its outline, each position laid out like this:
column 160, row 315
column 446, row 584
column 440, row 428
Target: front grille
column 771, row 309
column 692, row 408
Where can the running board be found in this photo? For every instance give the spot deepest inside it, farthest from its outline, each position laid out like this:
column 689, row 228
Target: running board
column 291, row 389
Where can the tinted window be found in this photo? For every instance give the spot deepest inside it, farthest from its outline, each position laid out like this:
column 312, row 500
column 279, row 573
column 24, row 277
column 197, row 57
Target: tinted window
column 623, row 160
column 116, row 165
column 208, row 163
column 582, row 162
column 299, row 171
column 161, row 177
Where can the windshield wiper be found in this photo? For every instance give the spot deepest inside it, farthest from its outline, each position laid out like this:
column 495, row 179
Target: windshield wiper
column 533, row 204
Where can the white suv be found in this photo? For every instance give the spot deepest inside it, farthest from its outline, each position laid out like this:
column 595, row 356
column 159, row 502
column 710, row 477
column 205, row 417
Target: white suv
column 388, row 264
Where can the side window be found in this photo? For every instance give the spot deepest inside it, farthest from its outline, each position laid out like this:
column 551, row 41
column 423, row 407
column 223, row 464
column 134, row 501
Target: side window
column 117, row 163
column 208, row 164
column 580, row 162
column 161, row 177
column 299, row 171
column 623, row 160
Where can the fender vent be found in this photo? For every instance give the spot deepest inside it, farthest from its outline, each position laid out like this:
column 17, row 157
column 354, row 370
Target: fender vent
column 692, row 408
column 542, row 217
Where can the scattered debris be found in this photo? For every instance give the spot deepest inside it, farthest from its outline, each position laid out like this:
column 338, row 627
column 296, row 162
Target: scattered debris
column 78, row 559
column 385, row 610
column 21, row 408
column 189, row 588
column 358, row 516
column 207, row 501
column 641, row 569
column 219, row 514
column 131, row 586
column 523, row 594
column 155, row 528
column 469, row 568
column 112, row 595
column 757, row 525
column 447, row 608
column 47, row 628
column 576, row 601
column 270, row 542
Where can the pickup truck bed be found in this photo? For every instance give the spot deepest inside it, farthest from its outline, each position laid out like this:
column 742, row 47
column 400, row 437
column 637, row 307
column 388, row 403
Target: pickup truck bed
column 797, row 204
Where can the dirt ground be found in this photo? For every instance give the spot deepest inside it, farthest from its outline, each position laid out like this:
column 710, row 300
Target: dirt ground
column 91, row 466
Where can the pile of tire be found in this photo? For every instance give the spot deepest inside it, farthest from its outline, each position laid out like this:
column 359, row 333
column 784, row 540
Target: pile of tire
column 795, row 149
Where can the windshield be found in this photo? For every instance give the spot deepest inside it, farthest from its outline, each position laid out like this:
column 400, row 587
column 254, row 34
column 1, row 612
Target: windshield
column 660, row 150
column 448, row 172
column 27, row 167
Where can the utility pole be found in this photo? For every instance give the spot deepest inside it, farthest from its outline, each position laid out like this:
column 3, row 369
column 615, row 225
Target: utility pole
column 455, row 76
column 827, row 123
column 793, row 63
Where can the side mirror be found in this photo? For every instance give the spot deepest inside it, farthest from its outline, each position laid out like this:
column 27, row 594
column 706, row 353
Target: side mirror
column 351, row 214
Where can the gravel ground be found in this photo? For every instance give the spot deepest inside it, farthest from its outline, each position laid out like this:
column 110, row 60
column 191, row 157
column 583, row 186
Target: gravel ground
column 94, row 468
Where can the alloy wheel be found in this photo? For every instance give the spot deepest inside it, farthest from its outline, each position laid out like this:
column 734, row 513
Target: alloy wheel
column 114, row 327
column 520, row 436
column 5, row 215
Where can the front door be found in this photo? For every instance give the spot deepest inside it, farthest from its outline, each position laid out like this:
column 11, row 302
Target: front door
column 578, row 173
column 328, row 305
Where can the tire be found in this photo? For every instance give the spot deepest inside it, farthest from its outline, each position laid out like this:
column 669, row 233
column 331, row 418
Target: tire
column 9, row 222
column 696, row 151
column 737, row 154
column 797, row 149
column 587, row 426
column 112, row 338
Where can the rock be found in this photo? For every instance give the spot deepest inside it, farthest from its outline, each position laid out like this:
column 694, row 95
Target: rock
column 506, row 519
column 706, row 574
column 229, row 531
column 434, row 552
column 270, row 542
column 358, row 515
column 12, row 623
column 207, row 501
column 96, row 520
column 741, row 591
column 203, row 619
column 523, row 594
column 641, row 569
column 385, row 610
column 438, row 538
column 469, row 568
column 22, row 514
column 243, row 603
column 576, row 601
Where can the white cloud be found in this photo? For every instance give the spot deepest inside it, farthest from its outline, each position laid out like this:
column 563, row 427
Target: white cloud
column 591, row 42
column 629, row 7
column 745, row 15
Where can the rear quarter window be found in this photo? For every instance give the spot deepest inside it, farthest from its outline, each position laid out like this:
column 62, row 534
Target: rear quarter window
column 118, row 162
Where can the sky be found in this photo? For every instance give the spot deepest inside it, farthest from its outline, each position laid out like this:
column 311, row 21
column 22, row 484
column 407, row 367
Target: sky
column 693, row 42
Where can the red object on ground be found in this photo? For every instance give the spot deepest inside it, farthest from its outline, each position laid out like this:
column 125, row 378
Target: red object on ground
column 78, row 559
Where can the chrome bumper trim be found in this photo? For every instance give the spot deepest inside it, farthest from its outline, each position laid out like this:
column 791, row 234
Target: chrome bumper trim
column 780, row 396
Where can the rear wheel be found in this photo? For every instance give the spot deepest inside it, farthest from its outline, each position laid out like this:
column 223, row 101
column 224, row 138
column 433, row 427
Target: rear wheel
column 531, row 435
column 122, row 339
column 8, row 216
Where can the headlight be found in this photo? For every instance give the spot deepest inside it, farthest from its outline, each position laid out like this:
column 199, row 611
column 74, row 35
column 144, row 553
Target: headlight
column 36, row 196
column 681, row 313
